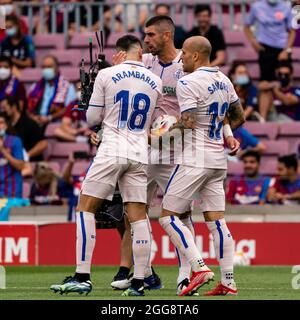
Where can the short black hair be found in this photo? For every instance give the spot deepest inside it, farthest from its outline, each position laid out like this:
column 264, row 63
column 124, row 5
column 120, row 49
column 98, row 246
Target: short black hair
column 234, row 66
column 126, row 42
column 16, row 21
column 5, row 117
column 53, row 57
column 251, row 153
column 285, row 64
column 13, row 18
column 159, row 5
column 6, row 59
column 202, row 7
column 12, row 101
column 158, row 19
column 290, row 161
column 10, row 130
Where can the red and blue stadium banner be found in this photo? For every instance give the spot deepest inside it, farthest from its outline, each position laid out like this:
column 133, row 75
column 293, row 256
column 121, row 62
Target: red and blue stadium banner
column 18, row 244
column 54, row 244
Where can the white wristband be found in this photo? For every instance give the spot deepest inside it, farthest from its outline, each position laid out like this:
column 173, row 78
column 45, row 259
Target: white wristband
column 227, row 131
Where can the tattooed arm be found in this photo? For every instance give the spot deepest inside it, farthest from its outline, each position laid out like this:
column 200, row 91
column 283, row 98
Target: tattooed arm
column 235, row 115
column 187, row 120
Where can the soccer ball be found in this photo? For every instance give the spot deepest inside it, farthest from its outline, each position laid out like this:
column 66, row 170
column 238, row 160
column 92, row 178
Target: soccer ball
column 241, row 259
column 162, row 124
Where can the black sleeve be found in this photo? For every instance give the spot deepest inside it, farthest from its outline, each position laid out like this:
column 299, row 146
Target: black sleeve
column 192, row 33
column 36, row 131
column 3, row 46
column 219, row 40
column 32, row 192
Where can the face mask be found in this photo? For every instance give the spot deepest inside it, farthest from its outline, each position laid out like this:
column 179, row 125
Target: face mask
column 284, row 79
column 11, row 31
column 2, row 132
column 9, row 8
column 242, row 80
column 4, row 73
column 78, row 95
column 48, row 73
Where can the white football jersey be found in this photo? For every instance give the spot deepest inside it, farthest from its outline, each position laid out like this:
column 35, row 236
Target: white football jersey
column 208, row 92
column 123, row 99
column 169, row 73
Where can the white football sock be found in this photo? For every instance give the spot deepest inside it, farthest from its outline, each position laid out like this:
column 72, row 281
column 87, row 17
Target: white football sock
column 224, row 248
column 141, row 247
column 184, row 266
column 148, row 270
column 85, row 242
column 183, row 240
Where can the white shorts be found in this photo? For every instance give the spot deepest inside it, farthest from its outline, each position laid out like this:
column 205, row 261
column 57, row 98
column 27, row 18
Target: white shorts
column 158, row 176
column 186, row 181
column 104, row 174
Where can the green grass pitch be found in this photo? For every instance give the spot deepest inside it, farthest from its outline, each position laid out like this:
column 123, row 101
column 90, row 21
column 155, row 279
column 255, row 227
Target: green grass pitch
column 253, row 283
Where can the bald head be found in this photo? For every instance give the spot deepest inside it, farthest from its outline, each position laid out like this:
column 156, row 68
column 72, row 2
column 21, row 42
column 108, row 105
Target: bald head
column 196, row 53
column 199, row 44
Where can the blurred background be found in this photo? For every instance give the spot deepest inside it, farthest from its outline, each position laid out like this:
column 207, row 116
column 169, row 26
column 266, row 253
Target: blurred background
column 44, row 144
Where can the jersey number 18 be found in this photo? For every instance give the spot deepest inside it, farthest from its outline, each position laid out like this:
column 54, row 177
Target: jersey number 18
column 140, row 105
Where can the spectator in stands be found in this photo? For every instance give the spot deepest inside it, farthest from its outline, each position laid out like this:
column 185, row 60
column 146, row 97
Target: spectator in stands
column 48, row 98
column 299, row 159
column 296, row 7
column 286, row 95
column 132, row 14
column 16, row 45
column 9, row 84
column 251, row 187
column 10, row 10
column 274, row 41
column 212, row 33
column 11, row 161
column 28, row 130
column 48, row 187
column 107, row 24
column 285, row 188
column 245, row 89
column 83, row 19
column 73, row 125
column 163, row 9
column 248, row 141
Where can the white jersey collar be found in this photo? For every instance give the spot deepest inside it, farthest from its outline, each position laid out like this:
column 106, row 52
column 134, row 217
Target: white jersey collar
column 208, row 69
column 134, row 62
column 175, row 60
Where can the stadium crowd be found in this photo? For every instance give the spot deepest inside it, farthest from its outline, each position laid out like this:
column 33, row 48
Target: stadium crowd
column 44, row 143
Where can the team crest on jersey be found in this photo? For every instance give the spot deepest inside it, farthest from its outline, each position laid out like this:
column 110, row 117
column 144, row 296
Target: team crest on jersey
column 178, row 74
column 170, row 91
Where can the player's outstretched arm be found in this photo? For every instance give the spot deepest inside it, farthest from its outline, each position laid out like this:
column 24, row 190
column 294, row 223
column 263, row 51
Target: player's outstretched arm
column 235, row 115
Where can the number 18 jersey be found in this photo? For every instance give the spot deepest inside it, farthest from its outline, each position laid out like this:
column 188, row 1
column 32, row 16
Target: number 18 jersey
column 123, row 99
column 209, row 93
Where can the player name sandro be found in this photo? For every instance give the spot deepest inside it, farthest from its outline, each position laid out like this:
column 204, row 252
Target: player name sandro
column 135, row 74
column 109, row 309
